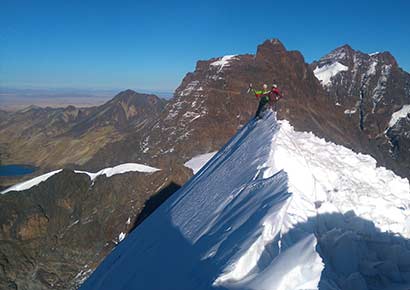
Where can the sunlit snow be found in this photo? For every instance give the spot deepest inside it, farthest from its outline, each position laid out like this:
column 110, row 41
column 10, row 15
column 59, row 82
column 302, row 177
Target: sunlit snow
column 32, row 182
column 197, row 162
column 122, row 168
column 119, row 169
column 402, row 113
column 326, row 72
column 223, row 62
column 374, row 53
column 273, row 209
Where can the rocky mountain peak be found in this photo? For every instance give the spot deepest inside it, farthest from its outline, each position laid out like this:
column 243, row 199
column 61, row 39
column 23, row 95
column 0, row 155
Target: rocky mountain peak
column 371, row 89
column 131, row 97
column 31, row 108
column 343, row 54
column 350, row 57
column 385, row 57
column 270, row 49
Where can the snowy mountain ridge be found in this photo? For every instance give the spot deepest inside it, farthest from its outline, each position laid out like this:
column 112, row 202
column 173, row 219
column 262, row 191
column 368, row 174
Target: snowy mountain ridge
column 374, row 93
column 273, row 209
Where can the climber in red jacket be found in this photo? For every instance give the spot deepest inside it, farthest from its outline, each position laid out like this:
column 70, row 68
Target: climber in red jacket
column 266, row 98
column 274, row 96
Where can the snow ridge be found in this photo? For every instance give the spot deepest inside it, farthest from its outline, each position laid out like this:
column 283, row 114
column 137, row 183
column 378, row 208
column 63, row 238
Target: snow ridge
column 223, row 223
column 273, row 209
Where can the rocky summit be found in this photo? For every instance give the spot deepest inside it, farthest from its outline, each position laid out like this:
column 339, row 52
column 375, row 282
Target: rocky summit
column 374, row 93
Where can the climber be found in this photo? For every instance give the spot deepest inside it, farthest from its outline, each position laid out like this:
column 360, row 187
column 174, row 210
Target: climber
column 266, row 98
column 274, row 96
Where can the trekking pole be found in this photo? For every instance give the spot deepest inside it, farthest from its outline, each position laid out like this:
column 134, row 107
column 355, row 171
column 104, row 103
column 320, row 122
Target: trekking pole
column 250, row 88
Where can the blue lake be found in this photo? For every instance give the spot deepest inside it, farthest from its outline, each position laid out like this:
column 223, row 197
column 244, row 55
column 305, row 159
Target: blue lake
column 16, row 170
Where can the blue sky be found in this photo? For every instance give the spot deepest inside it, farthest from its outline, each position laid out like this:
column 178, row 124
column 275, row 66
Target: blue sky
column 153, row 44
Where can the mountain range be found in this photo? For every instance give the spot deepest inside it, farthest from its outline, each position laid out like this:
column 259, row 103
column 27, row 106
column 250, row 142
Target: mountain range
column 354, row 99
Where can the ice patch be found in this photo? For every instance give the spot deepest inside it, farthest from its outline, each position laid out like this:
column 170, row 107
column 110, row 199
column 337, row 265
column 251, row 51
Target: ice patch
column 31, row 183
column 372, row 68
column 350, row 112
column 192, row 116
column 119, row 169
column 223, row 62
column 374, row 53
column 402, row 113
column 191, row 87
column 326, row 72
column 197, row 162
column 121, row 236
column 380, row 89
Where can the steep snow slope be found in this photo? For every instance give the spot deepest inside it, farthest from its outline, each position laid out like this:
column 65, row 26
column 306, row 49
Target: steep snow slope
column 242, row 223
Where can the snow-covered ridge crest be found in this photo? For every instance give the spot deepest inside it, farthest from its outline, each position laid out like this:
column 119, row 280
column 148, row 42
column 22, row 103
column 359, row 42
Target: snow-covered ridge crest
column 222, row 223
column 343, row 180
column 326, row 72
column 119, row 169
column 252, row 217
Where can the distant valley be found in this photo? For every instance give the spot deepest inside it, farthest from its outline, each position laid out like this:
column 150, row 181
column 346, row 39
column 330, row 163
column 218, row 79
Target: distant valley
column 14, row 99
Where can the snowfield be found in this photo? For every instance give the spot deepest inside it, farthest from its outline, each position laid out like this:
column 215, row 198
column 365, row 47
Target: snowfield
column 273, row 209
column 119, row 169
column 326, row 72
column 108, row 172
column 30, row 183
column 402, row 113
column 199, row 161
column 223, row 62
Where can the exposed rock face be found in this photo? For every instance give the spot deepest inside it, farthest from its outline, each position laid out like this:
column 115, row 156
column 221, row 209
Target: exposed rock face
column 212, row 103
column 53, row 235
column 370, row 88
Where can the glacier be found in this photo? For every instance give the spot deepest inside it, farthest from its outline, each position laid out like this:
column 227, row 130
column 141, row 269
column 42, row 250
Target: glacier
column 273, row 209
